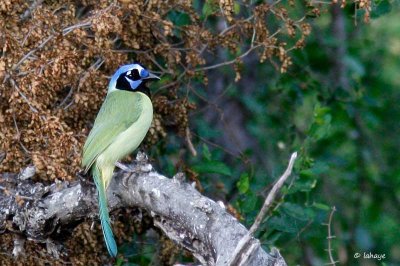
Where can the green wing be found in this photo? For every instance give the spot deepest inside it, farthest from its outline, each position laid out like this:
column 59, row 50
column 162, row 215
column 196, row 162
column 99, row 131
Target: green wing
column 119, row 111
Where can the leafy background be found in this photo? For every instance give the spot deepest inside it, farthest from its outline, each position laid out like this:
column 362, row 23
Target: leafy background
column 325, row 85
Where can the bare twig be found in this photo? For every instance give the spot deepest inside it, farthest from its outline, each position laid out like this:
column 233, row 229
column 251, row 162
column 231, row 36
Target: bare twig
column 252, row 48
column 226, row 150
column 273, row 193
column 329, row 237
column 14, row 84
column 67, row 30
column 19, row 135
column 32, row 7
column 171, row 84
column 88, row 22
column 158, row 65
column 233, row 26
column 95, row 66
column 189, row 142
column 241, row 254
column 31, row 52
column 27, row 35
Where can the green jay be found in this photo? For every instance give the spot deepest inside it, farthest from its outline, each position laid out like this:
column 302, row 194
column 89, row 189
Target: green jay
column 119, row 128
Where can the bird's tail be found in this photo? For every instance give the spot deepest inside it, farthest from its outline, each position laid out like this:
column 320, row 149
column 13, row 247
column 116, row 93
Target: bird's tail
column 103, row 213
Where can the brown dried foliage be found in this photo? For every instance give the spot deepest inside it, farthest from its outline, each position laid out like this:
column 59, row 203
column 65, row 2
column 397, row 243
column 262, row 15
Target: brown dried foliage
column 57, row 57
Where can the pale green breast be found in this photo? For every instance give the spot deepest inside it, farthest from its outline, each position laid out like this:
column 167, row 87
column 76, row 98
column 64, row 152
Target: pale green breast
column 119, row 128
column 130, row 139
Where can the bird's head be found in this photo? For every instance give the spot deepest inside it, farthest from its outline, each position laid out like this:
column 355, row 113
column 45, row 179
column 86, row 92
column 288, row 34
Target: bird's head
column 132, row 77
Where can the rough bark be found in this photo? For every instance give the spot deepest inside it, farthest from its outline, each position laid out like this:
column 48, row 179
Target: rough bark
column 195, row 222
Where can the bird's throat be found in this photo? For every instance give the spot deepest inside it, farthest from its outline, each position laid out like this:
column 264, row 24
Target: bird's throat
column 123, row 84
column 143, row 88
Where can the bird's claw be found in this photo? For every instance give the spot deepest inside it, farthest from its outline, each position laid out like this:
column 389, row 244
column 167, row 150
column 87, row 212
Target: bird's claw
column 123, row 167
column 125, row 181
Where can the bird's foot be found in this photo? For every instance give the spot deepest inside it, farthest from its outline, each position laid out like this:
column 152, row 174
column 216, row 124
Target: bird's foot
column 84, row 177
column 123, row 167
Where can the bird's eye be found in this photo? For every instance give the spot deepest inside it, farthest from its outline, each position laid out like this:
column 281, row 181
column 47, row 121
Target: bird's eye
column 144, row 73
column 133, row 74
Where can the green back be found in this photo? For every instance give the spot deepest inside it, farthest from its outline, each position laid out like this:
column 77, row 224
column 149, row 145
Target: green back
column 119, row 111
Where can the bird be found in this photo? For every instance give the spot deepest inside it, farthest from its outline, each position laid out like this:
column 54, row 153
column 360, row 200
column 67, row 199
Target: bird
column 119, row 128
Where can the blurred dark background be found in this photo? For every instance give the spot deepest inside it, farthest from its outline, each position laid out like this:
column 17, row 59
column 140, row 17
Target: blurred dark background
column 338, row 106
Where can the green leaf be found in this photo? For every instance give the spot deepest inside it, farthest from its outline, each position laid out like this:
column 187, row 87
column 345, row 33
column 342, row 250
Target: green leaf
column 209, row 8
column 321, row 206
column 316, row 170
column 297, row 211
column 303, row 186
column 320, row 128
column 236, row 8
column 249, row 203
column 381, row 7
column 206, row 153
column 272, row 238
column 119, row 262
column 214, row 167
column 283, row 223
column 243, row 184
column 179, row 18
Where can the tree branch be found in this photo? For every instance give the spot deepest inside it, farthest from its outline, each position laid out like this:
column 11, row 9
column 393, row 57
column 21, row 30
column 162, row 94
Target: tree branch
column 330, row 237
column 193, row 221
column 273, row 193
column 247, row 243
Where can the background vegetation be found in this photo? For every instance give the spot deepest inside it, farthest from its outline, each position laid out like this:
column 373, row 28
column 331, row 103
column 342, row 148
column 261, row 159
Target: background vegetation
column 244, row 84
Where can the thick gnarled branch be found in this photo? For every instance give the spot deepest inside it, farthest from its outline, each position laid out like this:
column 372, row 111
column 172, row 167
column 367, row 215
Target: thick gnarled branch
column 193, row 221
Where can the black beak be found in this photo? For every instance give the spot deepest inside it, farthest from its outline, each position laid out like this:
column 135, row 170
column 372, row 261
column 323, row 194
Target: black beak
column 151, row 76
